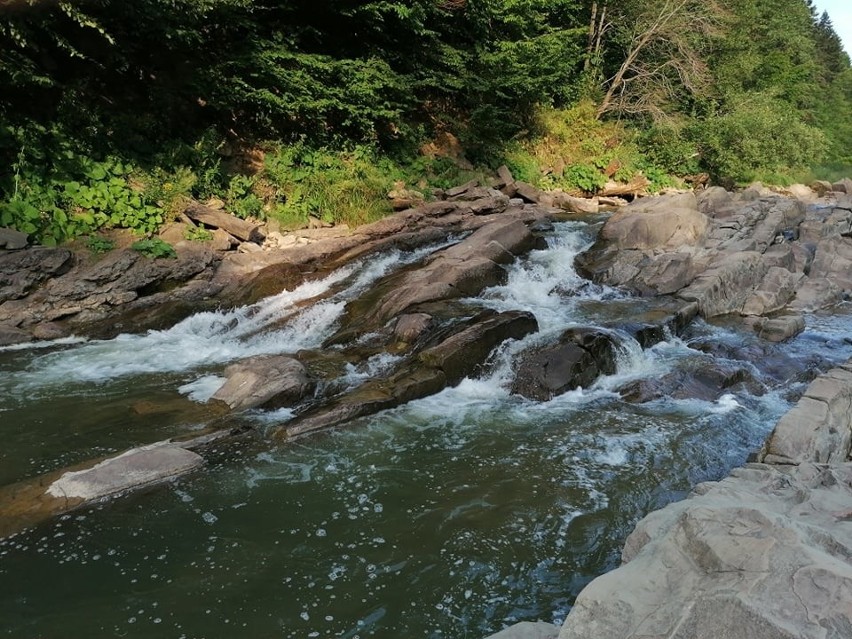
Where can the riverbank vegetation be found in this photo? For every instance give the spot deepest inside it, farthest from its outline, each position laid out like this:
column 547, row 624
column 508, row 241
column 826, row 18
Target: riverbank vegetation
column 115, row 114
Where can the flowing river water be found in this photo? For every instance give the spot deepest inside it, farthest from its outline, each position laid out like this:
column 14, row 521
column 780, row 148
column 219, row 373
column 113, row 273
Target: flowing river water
column 452, row 516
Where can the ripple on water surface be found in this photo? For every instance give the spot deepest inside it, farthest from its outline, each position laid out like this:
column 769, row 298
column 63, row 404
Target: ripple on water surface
column 450, row 517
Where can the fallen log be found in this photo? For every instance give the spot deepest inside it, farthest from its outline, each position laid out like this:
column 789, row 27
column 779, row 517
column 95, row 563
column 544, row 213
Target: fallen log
column 218, row 219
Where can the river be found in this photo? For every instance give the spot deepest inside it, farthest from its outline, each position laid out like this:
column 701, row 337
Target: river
column 452, row 516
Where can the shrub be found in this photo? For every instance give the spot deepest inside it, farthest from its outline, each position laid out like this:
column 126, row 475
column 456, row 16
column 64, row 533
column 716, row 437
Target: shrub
column 154, row 248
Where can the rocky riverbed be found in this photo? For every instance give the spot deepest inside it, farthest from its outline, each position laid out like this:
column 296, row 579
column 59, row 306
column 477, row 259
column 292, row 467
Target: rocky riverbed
column 765, row 552
column 427, row 300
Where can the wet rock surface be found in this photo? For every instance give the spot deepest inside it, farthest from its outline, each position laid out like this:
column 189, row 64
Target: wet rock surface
column 462, row 350
column 577, row 359
column 265, row 382
column 763, row 553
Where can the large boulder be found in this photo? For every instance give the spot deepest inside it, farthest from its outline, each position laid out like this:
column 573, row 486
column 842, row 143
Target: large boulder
column 780, row 328
column 12, row 240
column 843, row 186
column 667, row 222
column 776, row 289
column 763, row 554
column 577, row 359
column 270, row 381
column 833, row 261
column 726, row 286
column 819, row 427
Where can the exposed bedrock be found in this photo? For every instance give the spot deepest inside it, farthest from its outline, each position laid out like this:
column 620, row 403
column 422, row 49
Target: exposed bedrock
column 763, row 554
column 754, row 253
column 47, row 293
column 766, row 553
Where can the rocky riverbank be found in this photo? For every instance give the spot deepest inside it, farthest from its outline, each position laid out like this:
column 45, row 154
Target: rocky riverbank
column 765, row 552
column 763, row 257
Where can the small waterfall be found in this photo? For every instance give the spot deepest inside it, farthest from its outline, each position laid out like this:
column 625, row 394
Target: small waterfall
column 211, row 338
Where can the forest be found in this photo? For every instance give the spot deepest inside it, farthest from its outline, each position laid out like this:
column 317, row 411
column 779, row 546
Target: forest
column 116, row 114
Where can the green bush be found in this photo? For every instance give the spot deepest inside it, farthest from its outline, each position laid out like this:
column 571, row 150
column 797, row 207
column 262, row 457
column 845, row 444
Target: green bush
column 154, row 248
column 758, row 139
column 78, row 196
column 99, row 245
column 583, row 177
column 336, row 186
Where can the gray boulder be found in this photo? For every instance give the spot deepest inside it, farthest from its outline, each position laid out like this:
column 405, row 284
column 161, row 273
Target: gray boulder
column 843, row 186
column 778, row 329
column 833, row 261
column 819, row 427
column 10, row 239
column 776, row 289
column 577, row 359
column 271, row 381
column 666, row 222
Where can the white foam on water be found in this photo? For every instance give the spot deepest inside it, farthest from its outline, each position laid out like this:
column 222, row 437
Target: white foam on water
column 62, row 341
column 546, row 283
column 378, row 364
column 203, row 388
column 210, row 338
column 725, row 404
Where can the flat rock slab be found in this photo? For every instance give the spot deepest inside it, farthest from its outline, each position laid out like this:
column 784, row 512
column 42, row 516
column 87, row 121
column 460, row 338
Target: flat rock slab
column 133, row 469
column 528, row 630
column 763, row 554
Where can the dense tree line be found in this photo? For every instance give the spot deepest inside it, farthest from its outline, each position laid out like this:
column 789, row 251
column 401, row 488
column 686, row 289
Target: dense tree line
column 733, row 87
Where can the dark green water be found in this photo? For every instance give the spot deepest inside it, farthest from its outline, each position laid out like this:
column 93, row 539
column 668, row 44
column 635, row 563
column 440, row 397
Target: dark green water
column 451, row 517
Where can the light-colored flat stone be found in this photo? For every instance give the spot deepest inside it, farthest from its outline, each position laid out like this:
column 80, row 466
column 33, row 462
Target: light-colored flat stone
column 132, row 469
column 528, row 630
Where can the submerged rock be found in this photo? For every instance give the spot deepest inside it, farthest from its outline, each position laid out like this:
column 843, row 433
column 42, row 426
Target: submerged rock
column 705, row 380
